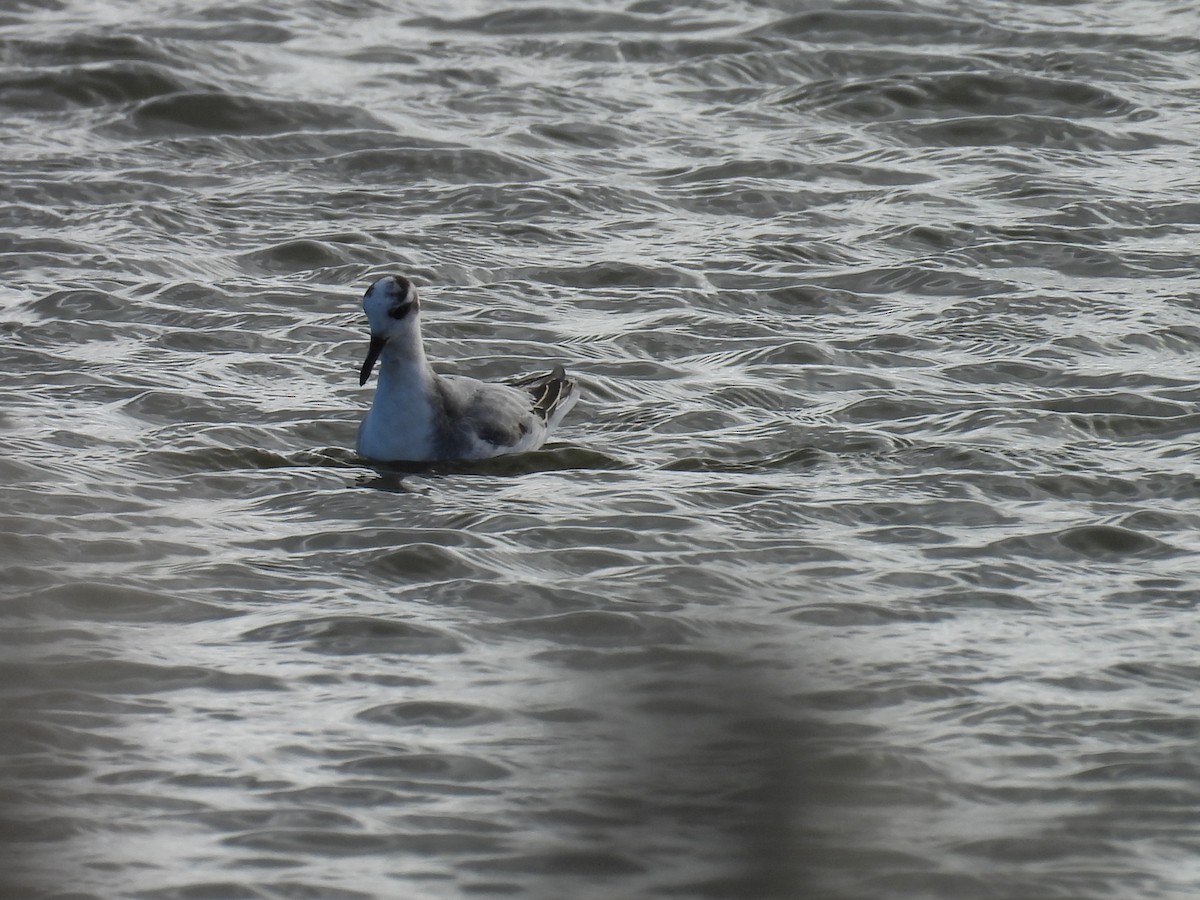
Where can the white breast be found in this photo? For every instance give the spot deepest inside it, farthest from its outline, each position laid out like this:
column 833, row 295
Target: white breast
column 399, row 425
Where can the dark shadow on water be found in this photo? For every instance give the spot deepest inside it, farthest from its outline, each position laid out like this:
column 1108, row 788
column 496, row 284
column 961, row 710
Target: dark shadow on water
column 389, row 476
column 706, row 790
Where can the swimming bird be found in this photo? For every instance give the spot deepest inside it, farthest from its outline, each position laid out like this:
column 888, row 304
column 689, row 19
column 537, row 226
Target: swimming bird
column 420, row 416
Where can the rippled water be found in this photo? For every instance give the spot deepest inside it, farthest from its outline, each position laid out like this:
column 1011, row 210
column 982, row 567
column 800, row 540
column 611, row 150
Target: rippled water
column 865, row 568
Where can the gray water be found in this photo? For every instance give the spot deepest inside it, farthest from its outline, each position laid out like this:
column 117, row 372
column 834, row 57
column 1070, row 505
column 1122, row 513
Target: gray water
column 865, row 568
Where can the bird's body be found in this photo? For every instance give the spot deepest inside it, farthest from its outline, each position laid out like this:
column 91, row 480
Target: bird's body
column 420, row 416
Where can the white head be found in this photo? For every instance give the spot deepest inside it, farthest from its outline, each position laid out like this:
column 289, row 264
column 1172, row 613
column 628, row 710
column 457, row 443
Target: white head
column 393, row 312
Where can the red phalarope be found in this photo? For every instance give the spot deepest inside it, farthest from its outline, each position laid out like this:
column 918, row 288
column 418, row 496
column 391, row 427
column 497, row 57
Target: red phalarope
column 419, row 416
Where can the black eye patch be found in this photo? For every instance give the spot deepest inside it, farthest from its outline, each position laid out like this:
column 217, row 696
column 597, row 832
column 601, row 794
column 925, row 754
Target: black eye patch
column 400, row 310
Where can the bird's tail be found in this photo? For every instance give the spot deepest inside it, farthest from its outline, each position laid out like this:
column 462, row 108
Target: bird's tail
column 553, row 394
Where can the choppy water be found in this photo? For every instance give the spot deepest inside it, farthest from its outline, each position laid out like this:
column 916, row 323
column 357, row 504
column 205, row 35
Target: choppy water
column 866, row 567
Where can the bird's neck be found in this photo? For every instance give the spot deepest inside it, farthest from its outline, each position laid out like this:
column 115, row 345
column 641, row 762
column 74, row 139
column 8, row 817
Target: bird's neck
column 403, row 366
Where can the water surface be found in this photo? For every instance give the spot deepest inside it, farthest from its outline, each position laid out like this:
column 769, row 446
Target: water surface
column 865, row 568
